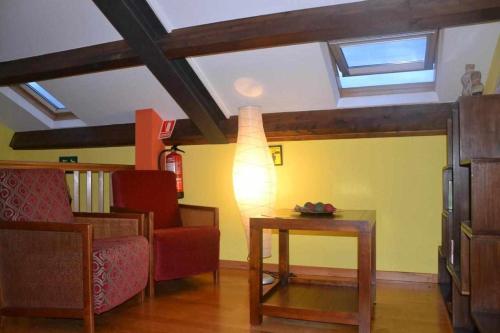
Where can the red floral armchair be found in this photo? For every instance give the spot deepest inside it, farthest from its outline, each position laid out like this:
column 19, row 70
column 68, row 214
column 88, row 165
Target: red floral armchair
column 54, row 263
column 185, row 238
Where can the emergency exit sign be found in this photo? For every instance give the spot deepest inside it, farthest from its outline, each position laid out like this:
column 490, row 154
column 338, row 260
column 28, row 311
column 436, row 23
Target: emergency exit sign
column 68, row 159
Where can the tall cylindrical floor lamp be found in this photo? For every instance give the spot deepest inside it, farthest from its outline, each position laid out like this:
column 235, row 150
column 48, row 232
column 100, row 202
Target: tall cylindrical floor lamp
column 254, row 177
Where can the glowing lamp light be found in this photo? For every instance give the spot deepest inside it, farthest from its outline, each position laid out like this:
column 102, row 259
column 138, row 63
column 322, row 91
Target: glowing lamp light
column 254, row 177
column 248, row 87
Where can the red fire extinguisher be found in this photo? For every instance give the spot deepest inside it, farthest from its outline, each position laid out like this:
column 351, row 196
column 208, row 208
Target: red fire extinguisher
column 173, row 162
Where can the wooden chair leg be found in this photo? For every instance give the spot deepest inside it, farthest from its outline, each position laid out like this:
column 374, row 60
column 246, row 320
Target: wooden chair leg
column 151, row 288
column 216, row 276
column 151, row 283
column 140, row 296
column 88, row 323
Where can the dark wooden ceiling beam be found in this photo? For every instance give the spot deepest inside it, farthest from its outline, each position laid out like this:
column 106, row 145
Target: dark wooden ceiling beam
column 361, row 19
column 84, row 60
column 368, row 122
column 140, row 27
column 78, row 137
column 352, row 20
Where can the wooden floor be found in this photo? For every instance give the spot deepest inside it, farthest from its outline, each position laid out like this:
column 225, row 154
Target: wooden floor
column 196, row 305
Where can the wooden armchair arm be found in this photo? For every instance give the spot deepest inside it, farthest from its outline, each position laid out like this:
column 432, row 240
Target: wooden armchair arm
column 192, row 215
column 107, row 225
column 43, row 264
column 148, row 219
column 114, row 209
column 148, row 233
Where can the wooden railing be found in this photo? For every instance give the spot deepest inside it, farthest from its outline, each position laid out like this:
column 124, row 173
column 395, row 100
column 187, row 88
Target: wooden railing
column 88, row 169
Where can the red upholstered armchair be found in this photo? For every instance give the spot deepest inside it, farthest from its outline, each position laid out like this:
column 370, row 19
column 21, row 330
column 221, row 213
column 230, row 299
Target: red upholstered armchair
column 185, row 238
column 56, row 264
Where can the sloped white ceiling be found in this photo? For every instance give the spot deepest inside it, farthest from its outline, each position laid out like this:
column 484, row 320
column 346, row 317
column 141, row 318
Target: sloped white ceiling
column 14, row 117
column 29, row 28
column 474, row 44
column 292, row 78
column 112, row 97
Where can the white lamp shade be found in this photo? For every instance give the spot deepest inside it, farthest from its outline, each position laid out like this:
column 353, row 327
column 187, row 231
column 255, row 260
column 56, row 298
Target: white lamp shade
column 254, row 177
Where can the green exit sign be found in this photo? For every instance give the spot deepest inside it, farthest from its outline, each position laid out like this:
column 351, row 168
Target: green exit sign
column 68, row 159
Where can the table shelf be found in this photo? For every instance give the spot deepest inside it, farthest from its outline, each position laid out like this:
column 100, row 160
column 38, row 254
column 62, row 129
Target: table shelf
column 325, row 303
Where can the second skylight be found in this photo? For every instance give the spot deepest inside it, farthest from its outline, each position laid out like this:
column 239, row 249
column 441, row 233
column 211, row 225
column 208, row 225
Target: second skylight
column 389, row 63
column 45, row 95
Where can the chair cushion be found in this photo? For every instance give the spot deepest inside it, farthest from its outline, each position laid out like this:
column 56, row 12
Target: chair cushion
column 120, row 270
column 148, row 190
column 185, row 251
column 34, row 195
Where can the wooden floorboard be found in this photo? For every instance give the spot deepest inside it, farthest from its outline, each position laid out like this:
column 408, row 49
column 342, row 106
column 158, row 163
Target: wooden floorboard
column 196, row 305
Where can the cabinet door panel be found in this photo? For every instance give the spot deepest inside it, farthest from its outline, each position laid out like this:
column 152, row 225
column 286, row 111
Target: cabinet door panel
column 485, row 274
column 485, row 198
column 479, row 127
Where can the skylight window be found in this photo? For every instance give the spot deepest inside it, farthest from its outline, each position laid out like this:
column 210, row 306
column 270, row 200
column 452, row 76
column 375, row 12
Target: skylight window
column 42, row 100
column 401, row 51
column 385, row 64
column 387, row 79
column 45, row 96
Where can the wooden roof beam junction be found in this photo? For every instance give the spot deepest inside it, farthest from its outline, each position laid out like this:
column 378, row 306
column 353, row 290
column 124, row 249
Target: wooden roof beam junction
column 140, row 27
column 352, row 20
column 368, row 122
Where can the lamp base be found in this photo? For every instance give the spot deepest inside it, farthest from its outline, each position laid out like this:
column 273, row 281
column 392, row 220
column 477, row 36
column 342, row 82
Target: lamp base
column 267, row 279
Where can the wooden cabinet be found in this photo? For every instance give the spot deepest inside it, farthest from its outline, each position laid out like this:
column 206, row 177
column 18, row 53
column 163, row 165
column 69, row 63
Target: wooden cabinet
column 469, row 256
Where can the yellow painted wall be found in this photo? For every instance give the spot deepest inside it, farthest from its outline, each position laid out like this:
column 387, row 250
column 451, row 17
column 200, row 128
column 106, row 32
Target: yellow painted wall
column 5, row 136
column 398, row 177
column 494, row 73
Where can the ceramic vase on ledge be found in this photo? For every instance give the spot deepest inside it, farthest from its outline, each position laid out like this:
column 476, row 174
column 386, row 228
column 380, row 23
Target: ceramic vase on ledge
column 471, row 81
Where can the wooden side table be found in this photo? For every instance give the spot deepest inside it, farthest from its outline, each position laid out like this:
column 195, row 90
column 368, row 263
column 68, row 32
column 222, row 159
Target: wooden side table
column 305, row 299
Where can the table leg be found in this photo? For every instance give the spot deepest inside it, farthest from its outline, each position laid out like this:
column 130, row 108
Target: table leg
column 364, row 280
column 255, row 275
column 284, row 263
column 374, row 266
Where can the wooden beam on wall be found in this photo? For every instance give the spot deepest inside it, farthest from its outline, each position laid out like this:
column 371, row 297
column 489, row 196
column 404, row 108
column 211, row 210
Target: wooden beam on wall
column 140, row 27
column 360, row 19
column 367, row 122
column 79, row 137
